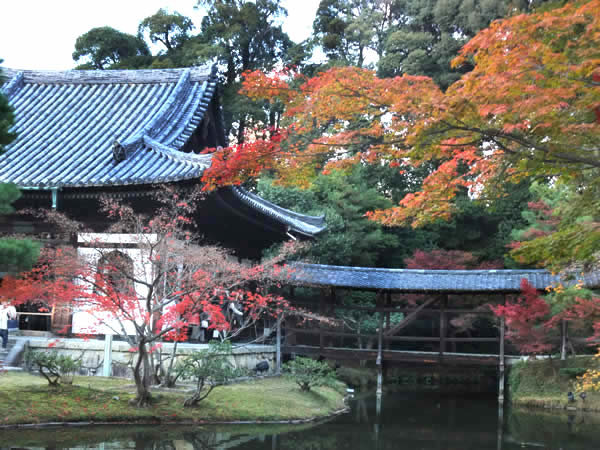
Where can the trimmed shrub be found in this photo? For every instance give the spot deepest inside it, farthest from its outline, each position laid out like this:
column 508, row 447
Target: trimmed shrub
column 208, row 368
column 308, row 373
column 54, row 367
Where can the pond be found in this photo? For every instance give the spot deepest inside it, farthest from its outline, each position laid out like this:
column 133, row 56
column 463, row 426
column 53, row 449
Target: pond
column 424, row 421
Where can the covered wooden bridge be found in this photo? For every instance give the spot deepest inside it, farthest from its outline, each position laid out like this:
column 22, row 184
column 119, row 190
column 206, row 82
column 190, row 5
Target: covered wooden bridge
column 442, row 294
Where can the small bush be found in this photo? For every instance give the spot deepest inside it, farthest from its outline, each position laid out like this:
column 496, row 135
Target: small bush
column 572, row 372
column 54, row 367
column 308, row 373
column 208, row 368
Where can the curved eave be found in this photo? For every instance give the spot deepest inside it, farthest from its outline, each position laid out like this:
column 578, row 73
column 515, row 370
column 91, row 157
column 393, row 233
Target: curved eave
column 149, row 165
column 296, row 222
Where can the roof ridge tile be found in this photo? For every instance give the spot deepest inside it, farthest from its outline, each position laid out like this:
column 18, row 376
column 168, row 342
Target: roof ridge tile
column 15, row 83
column 122, row 149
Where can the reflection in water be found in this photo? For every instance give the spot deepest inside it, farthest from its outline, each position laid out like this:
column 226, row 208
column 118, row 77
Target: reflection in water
column 425, row 421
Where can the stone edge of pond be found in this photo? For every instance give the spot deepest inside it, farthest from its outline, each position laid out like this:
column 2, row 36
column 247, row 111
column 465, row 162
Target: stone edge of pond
column 551, row 405
column 182, row 422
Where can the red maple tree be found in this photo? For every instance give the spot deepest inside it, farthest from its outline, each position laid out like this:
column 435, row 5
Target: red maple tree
column 160, row 282
column 440, row 259
column 527, row 320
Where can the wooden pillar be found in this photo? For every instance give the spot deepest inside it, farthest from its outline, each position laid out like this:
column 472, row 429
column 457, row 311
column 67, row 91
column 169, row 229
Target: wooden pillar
column 379, row 349
column 278, row 346
column 500, row 429
column 290, row 336
column 388, row 321
column 443, row 322
column 563, row 344
column 333, row 303
column 501, row 362
column 321, row 313
column 274, row 445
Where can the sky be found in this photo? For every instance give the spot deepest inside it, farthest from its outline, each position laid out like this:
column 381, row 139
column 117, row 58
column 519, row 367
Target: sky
column 41, row 34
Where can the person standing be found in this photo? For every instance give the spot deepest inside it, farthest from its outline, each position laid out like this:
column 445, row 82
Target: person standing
column 6, row 312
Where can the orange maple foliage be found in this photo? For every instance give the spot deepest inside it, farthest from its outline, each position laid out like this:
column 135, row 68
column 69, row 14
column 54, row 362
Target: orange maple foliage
column 529, row 107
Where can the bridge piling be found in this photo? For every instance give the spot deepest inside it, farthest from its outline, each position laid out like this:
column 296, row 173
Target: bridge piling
column 501, row 364
column 379, row 361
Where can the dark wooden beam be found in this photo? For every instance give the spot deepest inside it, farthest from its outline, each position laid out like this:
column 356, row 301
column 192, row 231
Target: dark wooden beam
column 409, row 319
column 317, row 331
column 392, row 355
column 431, row 311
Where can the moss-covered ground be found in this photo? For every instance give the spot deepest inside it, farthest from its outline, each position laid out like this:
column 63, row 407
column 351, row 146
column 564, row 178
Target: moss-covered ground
column 546, row 383
column 27, row 399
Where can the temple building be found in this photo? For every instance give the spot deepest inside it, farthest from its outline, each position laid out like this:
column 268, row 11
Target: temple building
column 82, row 135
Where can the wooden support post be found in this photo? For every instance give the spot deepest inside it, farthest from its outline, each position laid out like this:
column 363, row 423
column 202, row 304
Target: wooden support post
column 500, row 430
column 443, row 304
column 380, row 351
column 501, row 363
column 321, row 313
column 278, row 346
column 388, row 321
column 274, row 442
column 563, row 344
column 333, row 302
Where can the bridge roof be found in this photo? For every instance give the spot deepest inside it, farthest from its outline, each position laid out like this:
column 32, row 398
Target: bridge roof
column 443, row 281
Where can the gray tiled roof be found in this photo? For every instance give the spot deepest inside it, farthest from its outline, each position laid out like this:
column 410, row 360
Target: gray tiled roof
column 414, row 280
column 300, row 223
column 82, row 128
column 99, row 128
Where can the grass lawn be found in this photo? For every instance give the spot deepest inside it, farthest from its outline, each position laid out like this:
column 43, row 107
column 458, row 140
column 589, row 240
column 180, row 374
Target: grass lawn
column 546, row 383
column 25, row 398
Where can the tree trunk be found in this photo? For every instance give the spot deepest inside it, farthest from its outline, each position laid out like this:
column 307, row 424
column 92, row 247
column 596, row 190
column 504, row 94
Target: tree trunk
column 241, row 130
column 168, row 379
column 142, row 375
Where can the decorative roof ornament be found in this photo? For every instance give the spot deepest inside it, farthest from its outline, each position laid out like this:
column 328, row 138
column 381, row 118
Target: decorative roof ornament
column 118, row 151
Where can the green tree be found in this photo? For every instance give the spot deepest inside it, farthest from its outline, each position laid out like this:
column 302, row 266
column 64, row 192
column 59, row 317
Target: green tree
column 560, row 226
column 433, row 31
column 243, row 36
column 350, row 239
column 170, row 29
column 15, row 255
column 107, row 48
column 347, row 29
column 7, row 119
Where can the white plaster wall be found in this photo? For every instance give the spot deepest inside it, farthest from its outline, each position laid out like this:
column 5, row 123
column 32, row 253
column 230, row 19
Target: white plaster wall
column 83, row 321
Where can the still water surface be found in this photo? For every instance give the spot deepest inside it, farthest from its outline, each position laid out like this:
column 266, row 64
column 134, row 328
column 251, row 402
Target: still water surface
column 419, row 421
